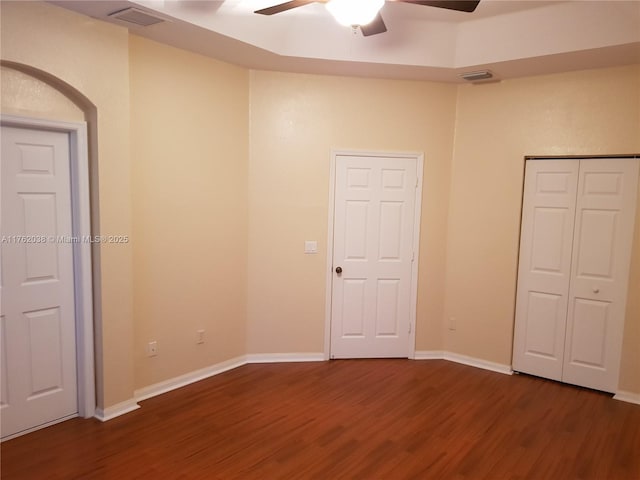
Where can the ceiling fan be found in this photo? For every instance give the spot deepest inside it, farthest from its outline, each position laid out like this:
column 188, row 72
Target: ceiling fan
column 367, row 12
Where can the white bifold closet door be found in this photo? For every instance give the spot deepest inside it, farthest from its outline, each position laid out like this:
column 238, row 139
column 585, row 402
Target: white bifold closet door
column 575, row 251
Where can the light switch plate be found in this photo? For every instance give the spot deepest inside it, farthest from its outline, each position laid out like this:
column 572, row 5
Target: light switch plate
column 310, row 246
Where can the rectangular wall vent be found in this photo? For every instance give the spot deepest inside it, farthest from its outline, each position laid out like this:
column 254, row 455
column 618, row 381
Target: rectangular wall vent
column 477, row 76
column 136, row 16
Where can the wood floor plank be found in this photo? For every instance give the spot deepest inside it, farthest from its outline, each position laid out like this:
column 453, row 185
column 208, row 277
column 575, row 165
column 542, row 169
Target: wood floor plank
column 351, row 419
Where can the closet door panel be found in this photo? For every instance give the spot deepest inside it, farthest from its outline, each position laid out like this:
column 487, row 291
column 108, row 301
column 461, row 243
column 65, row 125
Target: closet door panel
column 544, row 266
column 603, row 234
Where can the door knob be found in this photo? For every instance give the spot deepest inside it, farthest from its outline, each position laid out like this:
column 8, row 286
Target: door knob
column 596, row 290
column 338, row 270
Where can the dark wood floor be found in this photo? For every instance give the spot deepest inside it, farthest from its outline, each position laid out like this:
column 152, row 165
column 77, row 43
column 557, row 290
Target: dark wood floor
column 354, row 419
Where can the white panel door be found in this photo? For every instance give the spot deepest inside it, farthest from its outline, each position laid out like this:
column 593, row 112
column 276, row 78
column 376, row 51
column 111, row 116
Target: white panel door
column 544, row 266
column 372, row 256
column 605, row 214
column 38, row 318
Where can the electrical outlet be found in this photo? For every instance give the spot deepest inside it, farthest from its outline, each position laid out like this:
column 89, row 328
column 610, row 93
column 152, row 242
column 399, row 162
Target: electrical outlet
column 452, row 323
column 152, row 349
column 200, row 336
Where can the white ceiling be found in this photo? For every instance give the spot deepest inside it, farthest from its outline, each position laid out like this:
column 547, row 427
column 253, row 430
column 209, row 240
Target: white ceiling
column 510, row 37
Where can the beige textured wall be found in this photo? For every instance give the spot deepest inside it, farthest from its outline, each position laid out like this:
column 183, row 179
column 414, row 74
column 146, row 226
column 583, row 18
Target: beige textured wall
column 580, row 113
column 92, row 57
column 189, row 145
column 630, row 361
column 295, row 122
column 21, row 94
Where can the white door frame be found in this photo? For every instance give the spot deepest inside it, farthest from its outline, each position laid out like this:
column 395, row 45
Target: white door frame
column 81, row 225
column 419, row 157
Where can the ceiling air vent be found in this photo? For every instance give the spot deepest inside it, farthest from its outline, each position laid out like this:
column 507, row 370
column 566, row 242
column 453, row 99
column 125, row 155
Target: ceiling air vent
column 478, row 76
column 136, row 16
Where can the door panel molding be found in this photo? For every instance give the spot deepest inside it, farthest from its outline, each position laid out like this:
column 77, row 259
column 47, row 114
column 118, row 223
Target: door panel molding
column 81, row 228
column 390, row 181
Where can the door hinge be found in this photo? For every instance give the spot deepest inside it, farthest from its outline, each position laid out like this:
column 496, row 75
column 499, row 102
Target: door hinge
column 413, row 256
column 409, row 328
column 417, row 181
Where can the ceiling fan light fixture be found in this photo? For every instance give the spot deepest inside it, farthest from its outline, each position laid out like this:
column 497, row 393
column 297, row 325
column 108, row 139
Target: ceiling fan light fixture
column 354, row 12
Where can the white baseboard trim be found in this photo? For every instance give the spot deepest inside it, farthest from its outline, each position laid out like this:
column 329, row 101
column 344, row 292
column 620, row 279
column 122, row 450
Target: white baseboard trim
column 627, row 397
column 188, row 378
column 166, row 386
column 192, row 377
column 479, row 363
column 116, row 410
column 284, row 357
column 463, row 359
column 429, row 355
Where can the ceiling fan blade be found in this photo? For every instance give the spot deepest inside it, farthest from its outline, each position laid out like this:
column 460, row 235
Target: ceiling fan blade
column 459, row 5
column 283, row 7
column 374, row 27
